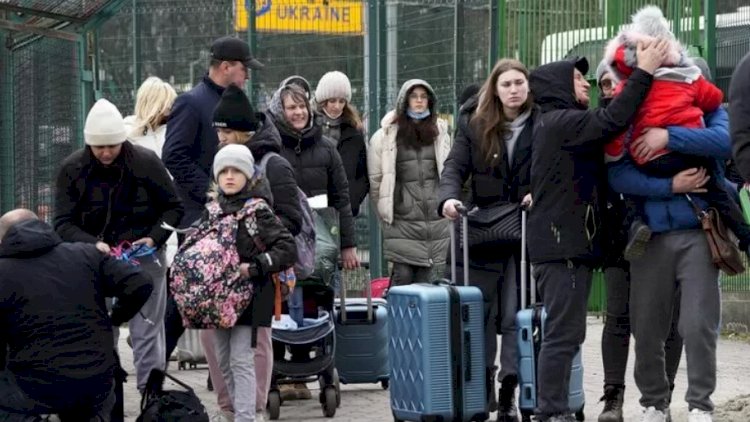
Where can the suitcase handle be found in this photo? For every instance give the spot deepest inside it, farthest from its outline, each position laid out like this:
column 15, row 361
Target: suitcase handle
column 464, row 221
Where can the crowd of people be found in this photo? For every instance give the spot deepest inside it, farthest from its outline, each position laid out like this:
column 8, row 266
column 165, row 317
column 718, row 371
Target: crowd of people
column 619, row 186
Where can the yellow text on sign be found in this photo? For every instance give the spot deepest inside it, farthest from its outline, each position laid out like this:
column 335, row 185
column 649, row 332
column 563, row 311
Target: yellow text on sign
column 342, row 17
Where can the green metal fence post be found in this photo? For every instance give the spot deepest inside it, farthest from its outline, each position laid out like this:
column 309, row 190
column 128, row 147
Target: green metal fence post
column 373, row 120
column 500, row 34
column 709, row 43
column 137, row 66
column 7, row 151
column 86, row 82
column 252, row 41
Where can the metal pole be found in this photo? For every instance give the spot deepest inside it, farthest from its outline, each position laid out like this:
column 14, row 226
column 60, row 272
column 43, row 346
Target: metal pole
column 494, row 52
column 137, row 66
column 458, row 58
column 7, row 153
column 709, row 43
column 372, row 103
column 252, row 41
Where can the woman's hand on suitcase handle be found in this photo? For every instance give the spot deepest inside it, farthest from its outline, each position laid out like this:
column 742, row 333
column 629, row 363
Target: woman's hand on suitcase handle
column 349, row 258
column 450, row 208
column 527, row 202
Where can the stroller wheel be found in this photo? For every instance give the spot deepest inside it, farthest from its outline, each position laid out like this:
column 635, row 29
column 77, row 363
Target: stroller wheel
column 337, row 386
column 274, row 404
column 328, row 399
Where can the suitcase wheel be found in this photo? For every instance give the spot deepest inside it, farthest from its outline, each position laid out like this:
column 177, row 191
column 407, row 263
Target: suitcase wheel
column 181, row 365
column 580, row 416
column 525, row 416
column 384, row 384
column 274, row 404
column 328, row 401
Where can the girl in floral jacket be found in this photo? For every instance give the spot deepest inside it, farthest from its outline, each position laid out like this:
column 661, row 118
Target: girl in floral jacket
column 268, row 250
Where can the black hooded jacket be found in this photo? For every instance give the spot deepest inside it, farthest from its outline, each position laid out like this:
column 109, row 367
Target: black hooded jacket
column 53, row 319
column 279, row 173
column 568, row 175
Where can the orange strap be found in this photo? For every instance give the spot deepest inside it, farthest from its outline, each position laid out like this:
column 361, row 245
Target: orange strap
column 277, row 298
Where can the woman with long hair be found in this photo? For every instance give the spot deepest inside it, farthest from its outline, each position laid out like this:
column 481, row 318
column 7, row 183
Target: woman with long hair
column 493, row 148
column 341, row 123
column 404, row 162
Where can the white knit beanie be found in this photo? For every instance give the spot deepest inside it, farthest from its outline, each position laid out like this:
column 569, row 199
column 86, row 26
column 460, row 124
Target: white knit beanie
column 333, row 85
column 104, row 125
column 237, row 156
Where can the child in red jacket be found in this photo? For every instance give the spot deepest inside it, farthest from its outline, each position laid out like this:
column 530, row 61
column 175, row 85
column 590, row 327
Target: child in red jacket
column 679, row 96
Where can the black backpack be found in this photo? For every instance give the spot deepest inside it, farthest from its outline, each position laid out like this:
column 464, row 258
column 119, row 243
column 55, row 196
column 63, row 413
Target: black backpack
column 158, row 405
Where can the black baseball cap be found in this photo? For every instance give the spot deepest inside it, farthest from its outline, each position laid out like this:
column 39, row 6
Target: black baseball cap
column 233, row 49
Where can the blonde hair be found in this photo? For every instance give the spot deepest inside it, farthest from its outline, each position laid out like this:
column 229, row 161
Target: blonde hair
column 152, row 105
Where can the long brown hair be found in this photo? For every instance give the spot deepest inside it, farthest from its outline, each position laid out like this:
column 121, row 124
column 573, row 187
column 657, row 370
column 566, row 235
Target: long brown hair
column 349, row 114
column 416, row 133
column 489, row 118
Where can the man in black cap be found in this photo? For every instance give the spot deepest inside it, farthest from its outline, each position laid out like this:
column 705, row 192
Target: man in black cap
column 564, row 226
column 191, row 140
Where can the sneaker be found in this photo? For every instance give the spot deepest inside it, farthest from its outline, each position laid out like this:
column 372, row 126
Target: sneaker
column 638, row 238
column 653, row 414
column 697, row 415
column 506, row 408
column 260, row 417
column 612, row 398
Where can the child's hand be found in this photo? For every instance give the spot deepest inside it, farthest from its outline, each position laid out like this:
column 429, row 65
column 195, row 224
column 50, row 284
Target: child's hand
column 245, row 270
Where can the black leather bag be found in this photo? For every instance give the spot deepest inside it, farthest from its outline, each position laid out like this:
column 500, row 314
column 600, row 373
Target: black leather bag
column 159, row 405
column 495, row 226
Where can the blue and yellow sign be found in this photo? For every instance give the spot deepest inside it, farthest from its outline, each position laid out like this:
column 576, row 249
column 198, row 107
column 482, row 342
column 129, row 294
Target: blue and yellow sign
column 340, row 17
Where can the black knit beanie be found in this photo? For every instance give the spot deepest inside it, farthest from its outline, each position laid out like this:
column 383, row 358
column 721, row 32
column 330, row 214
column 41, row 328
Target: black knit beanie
column 235, row 112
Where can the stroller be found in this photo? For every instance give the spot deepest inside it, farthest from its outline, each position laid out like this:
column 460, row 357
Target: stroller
column 318, row 332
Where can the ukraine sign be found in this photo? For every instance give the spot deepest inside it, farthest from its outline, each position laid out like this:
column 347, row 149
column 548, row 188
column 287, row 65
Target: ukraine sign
column 339, row 17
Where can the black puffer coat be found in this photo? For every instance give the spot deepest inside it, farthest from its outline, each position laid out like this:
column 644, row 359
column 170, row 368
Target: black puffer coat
column 279, row 173
column 317, row 166
column 353, row 151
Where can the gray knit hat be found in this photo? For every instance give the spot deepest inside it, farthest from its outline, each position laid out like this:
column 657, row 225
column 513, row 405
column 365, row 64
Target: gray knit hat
column 703, row 66
column 237, row 156
column 333, row 85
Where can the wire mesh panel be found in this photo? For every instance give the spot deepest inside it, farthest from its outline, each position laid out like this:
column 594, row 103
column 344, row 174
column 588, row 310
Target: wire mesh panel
column 732, row 38
column 165, row 38
column 72, row 10
column 46, row 118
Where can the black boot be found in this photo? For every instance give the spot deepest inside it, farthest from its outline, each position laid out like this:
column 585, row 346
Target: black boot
column 506, row 407
column 490, row 389
column 613, row 398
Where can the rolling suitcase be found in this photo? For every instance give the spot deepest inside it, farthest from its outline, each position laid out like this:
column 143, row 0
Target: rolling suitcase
column 361, row 354
column 190, row 350
column 530, row 331
column 436, row 349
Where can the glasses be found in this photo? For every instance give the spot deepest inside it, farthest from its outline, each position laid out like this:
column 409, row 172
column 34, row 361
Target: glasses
column 607, row 83
column 418, row 97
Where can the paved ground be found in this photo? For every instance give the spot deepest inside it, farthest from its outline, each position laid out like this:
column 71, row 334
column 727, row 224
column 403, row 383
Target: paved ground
column 370, row 402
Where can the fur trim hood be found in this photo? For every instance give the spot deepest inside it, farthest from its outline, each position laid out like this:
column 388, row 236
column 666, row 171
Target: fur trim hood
column 648, row 24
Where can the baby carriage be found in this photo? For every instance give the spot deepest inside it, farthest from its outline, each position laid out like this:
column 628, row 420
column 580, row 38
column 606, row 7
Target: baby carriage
column 317, row 332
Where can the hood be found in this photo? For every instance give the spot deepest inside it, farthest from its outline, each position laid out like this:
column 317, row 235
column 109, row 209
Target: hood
column 552, row 84
column 29, row 238
column 402, row 101
column 648, row 25
column 266, row 138
column 276, row 110
column 299, row 81
column 388, row 119
column 470, row 105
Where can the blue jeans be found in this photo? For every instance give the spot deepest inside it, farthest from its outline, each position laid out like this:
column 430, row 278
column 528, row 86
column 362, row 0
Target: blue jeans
column 16, row 406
